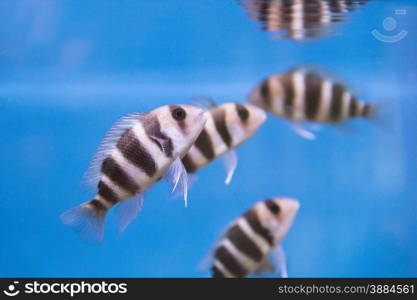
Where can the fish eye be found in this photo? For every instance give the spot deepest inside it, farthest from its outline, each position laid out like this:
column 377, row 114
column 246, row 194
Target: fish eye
column 179, row 114
column 272, row 206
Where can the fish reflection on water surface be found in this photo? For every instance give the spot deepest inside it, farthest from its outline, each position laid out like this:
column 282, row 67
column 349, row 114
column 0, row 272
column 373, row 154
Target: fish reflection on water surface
column 300, row 19
column 307, row 95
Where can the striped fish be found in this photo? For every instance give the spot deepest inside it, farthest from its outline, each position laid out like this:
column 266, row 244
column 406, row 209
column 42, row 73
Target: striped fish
column 305, row 95
column 228, row 126
column 300, row 19
column 136, row 152
column 251, row 245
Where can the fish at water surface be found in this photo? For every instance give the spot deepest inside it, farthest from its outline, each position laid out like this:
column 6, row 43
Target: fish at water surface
column 228, row 126
column 137, row 151
column 251, row 244
column 308, row 94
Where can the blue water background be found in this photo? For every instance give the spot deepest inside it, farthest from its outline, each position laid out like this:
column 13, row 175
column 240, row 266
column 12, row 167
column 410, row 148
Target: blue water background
column 69, row 69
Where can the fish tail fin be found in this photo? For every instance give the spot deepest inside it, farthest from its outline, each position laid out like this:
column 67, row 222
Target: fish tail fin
column 381, row 114
column 87, row 220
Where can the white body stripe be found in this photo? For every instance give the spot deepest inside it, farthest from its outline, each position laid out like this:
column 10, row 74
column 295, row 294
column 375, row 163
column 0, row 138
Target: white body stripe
column 136, row 174
column 222, row 269
column 268, row 220
column 119, row 191
column 219, row 146
column 103, row 201
column 345, row 105
column 298, row 81
column 325, row 14
column 248, row 264
column 256, row 238
column 236, row 130
column 198, row 159
column 297, row 22
column 325, row 101
column 343, row 7
column 277, row 101
column 361, row 107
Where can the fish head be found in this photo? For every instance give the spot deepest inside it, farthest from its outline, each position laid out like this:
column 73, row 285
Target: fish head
column 182, row 124
column 283, row 211
column 267, row 93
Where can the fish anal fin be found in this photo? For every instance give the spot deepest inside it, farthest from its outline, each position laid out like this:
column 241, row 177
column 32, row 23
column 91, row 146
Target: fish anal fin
column 274, row 263
column 230, row 163
column 127, row 211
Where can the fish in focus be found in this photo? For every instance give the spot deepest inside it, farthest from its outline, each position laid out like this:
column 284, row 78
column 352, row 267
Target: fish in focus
column 137, row 151
column 228, row 126
column 251, row 244
column 309, row 95
column 300, row 19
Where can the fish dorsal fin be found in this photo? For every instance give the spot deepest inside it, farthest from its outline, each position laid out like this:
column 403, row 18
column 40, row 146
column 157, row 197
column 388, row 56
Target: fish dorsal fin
column 178, row 177
column 92, row 175
column 274, row 263
column 203, row 102
column 323, row 74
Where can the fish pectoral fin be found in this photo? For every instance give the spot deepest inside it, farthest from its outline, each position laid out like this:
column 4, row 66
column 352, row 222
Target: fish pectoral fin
column 264, row 267
column 163, row 143
column 178, row 177
column 305, row 130
column 127, row 211
column 274, row 263
column 230, row 163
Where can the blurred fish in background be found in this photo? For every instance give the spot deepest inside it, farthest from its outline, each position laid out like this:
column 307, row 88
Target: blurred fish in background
column 227, row 127
column 308, row 94
column 300, row 19
column 137, row 151
column 251, row 245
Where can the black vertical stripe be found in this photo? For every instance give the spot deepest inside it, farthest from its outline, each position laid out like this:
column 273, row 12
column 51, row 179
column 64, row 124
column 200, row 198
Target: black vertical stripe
column 188, row 163
column 244, row 243
column 204, row 144
column 216, row 273
column 242, row 112
column 289, row 94
column 265, row 92
column 230, row 262
column 152, row 128
column 353, row 107
column 312, row 95
column 135, row 152
column 336, row 104
column 252, row 218
column 219, row 117
column 107, row 193
column 98, row 206
column 111, row 169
